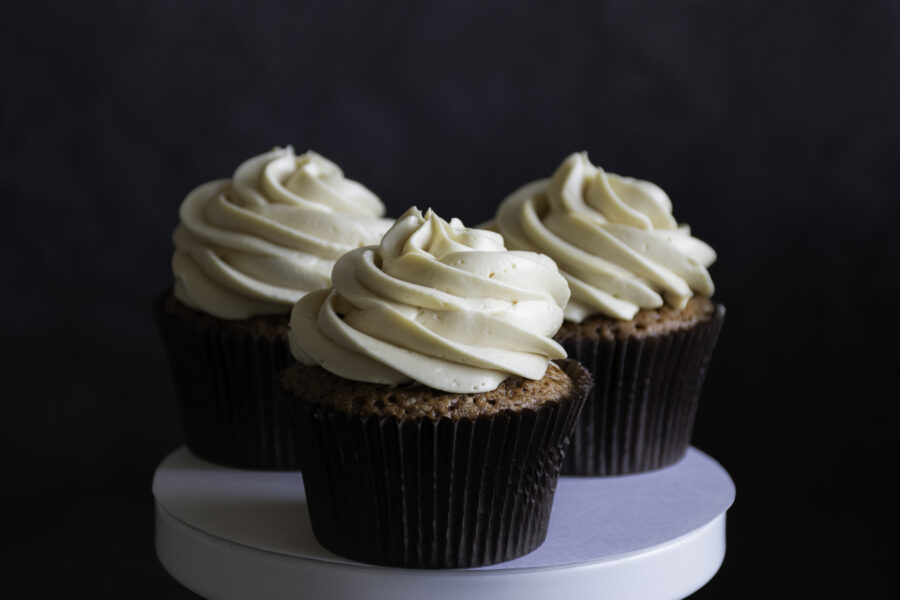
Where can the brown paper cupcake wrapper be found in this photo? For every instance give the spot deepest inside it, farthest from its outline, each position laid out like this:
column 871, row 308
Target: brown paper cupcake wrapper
column 225, row 387
column 640, row 414
column 420, row 493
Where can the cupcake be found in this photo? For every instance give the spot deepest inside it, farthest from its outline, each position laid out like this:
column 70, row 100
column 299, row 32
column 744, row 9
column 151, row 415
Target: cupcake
column 639, row 318
column 430, row 418
column 246, row 249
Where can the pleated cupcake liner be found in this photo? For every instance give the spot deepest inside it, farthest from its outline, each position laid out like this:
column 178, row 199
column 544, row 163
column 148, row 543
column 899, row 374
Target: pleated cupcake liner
column 225, row 385
column 423, row 493
column 640, row 414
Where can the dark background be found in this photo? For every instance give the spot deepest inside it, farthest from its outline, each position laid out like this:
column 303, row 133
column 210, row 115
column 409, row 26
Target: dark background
column 773, row 126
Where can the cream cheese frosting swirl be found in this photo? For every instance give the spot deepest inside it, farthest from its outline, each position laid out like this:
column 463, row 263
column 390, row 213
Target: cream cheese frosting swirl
column 614, row 238
column 436, row 303
column 256, row 243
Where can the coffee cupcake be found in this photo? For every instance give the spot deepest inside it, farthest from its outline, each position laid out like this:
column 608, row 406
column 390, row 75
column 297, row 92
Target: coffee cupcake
column 430, row 419
column 639, row 317
column 246, row 249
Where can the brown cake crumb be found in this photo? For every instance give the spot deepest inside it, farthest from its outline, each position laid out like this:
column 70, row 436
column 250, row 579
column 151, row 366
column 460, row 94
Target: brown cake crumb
column 315, row 384
column 267, row 326
column 647, row 322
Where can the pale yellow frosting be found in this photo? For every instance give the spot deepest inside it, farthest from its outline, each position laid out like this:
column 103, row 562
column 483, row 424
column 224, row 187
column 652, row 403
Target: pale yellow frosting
column 614, row 238
column 256, row 243
column 435, row 303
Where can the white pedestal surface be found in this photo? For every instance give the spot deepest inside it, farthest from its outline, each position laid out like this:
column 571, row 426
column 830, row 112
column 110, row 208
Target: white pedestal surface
column 228, row 533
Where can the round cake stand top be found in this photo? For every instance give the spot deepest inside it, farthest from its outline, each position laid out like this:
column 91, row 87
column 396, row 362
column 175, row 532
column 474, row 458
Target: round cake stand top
column 228, row 533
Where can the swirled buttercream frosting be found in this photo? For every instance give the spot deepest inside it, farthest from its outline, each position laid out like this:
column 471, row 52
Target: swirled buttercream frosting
column 614, row 238
column 256, row 243
column 435, row 303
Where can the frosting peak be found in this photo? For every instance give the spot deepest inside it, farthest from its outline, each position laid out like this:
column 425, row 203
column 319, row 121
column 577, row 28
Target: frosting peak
column 614, row 238
column 436, row 303
column 256, row 243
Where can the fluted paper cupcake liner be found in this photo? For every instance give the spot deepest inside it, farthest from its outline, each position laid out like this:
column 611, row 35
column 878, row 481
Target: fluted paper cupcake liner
column 226, row 391
column 640, row 414
column 422, row 493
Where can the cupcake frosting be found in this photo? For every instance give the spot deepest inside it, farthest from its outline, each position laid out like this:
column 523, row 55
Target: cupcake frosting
column 436, row 303
column 614, row 238
column 254, row 244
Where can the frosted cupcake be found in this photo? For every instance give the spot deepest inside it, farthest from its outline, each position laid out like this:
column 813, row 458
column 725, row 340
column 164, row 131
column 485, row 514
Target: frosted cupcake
column 431, row 421
column 639, row 317
column 246, row 249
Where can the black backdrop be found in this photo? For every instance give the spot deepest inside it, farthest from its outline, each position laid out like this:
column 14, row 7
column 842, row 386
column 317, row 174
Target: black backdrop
column 773, row 126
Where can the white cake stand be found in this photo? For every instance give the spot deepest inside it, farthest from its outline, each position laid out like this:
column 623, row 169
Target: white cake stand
column 228, row 533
